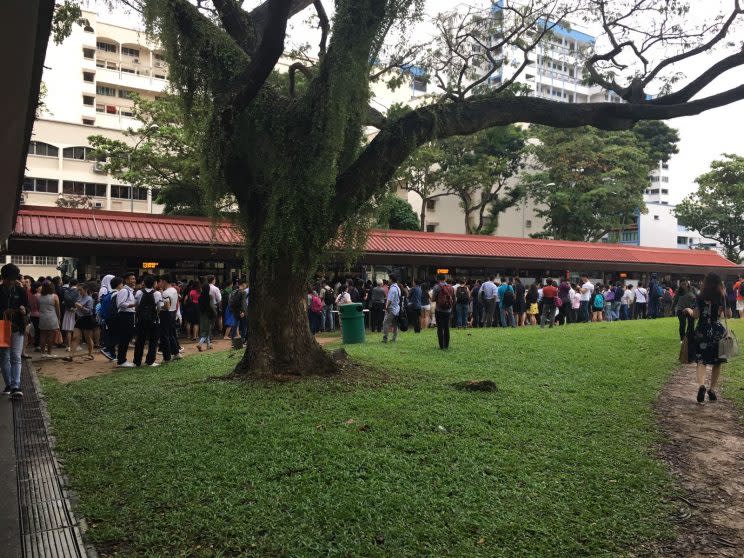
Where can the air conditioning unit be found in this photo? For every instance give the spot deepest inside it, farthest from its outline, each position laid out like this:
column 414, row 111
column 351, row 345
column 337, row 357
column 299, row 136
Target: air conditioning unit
column 159, row 64
column 98, row 205
column 99, row 167
column 23, row 198
column 135, row 61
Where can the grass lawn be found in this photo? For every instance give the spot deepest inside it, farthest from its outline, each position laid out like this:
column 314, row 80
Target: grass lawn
column 558, row 462
column 733, row 373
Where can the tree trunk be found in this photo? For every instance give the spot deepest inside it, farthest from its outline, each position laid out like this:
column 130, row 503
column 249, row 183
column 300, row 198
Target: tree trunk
column 423, row 214
column 279, row 338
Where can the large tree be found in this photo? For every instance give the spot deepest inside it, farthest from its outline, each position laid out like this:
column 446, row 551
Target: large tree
column 294, row 158
column 716, row 210
column 591, row 181
column 479, row 170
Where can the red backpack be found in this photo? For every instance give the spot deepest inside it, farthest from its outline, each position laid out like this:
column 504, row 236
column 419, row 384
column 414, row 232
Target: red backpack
column 445, row 298
column 316, row 305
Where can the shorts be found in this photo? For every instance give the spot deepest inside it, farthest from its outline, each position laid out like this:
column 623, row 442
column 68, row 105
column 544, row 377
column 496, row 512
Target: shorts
column 85, row 323
column 740, row 305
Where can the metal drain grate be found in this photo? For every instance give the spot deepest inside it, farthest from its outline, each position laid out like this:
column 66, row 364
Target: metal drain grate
column 48, row 527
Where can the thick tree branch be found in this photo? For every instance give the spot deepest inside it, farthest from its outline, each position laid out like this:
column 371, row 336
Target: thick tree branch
column 376, row 164
column 293, row 69
column 267, row 54
column 699, row 83
column 235, row 21
column 375, row 118
column 324, row 24
column 259, row 16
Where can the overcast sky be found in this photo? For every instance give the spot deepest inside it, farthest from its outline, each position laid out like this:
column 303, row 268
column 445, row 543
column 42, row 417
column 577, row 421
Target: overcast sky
column 703, row 138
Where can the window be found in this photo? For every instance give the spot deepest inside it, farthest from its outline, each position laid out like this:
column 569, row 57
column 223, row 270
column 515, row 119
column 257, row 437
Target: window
column 161, row 76
column 664, row 190
column 665, row 179
column 40, row 185
column 431, row 205
column 89, row 77
column 125, row 93
column 105, row 90
column 664, row 166
column 629, row 236
column 89, row 53
column 682, row 240
column 431, row 228
column 84, row 188
column 79, row 153
column 46, row 260
column 128, row 70
column 159, row 57
column 100, row 108
column 106, row 47
column 88, row 100
column 528, row 224
column 88, row 121
column 654, row 178
column 42, row 149
column 22, row 260
column 654, row 190
column 648, row 191
column 122, row 192
column 419, row 85
column 656, row 217
column 126, row 51
column 126, row 112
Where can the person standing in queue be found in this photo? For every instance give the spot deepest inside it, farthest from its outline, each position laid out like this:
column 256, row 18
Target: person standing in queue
column 124, row 319
column 444, row 296
column 149, row 304
column 392, row 309
column 414, row 306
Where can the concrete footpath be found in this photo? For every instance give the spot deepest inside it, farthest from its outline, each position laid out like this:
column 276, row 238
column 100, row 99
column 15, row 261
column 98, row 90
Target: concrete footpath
column 10, row 532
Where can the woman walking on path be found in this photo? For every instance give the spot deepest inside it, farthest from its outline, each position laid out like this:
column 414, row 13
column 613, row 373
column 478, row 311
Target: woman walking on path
column 207, row 317
column 684, row 300
column 704, row 345
column 84, row 324
column 49, row 317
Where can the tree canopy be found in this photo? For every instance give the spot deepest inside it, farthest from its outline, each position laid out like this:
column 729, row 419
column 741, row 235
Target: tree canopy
column 292, row 152
column 716, row 209
column 592, row 182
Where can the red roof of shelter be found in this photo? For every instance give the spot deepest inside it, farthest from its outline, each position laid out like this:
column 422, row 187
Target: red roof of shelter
column 48, row 223
column 89, row 224
column 416, row 242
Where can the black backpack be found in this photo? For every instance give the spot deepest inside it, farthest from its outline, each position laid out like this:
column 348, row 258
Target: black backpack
column 462, row 295
column 329, row 297
column 508, row 298
column 70, row 297
column 236, row 301
column 147, row 312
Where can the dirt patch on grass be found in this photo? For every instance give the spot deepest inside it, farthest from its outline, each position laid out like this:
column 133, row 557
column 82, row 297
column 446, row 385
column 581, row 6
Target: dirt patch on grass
column 705, row 451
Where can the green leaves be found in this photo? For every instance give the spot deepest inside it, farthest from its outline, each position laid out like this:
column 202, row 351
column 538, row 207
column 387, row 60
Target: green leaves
column 591, row 182
column 716, row 210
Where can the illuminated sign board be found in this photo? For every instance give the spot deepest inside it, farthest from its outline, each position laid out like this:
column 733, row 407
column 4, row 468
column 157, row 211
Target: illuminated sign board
column 443, row 271
column 150, row 265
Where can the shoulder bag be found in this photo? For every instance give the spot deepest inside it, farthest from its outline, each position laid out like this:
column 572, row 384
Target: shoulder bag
column 728, row 347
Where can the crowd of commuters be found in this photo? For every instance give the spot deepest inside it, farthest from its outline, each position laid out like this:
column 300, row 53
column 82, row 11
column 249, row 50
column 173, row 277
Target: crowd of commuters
column 116, row 316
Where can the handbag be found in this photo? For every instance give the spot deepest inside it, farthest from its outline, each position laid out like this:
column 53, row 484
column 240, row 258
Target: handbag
column 728, row 347
column 684, row 351
column 57, row 337
column 6, row 330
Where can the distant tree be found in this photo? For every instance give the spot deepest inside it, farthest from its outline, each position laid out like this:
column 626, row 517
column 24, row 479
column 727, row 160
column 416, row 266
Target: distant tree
column 716, row 209
column 397, row 214
column 422, row 173
column 74, row 201
column 659, row 140
column 162, row 153
column 593, row 181
column 477, row 170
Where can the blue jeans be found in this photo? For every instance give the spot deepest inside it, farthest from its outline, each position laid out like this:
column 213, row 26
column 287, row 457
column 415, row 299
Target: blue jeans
column 10, row 360
column 624, row 312
column 461, row 318
column 584, row 311
column 506, row 316
column 326, row 318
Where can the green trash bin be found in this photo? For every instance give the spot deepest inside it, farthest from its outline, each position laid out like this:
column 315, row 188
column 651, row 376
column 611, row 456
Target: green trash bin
column 352, row 322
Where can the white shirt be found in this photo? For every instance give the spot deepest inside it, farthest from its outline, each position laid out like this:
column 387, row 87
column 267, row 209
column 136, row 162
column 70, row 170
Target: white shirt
column 587, row 290
column 489, row 290
column 125, row 297
column 171, row 294
column 627, row 297
column 343, row 298
column 215, row 295
column 640, row 294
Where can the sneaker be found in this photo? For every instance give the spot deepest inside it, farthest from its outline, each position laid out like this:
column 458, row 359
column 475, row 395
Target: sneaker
column 154, row 364
column 126, row 364
column 701, row 394
column 6, row 391
column 16, row 393
column 180, row 349
column 712, row 395
column 176, row 357
column 108, row 355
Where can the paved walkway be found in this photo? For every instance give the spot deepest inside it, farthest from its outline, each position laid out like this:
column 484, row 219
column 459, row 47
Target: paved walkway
column 36, row 511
